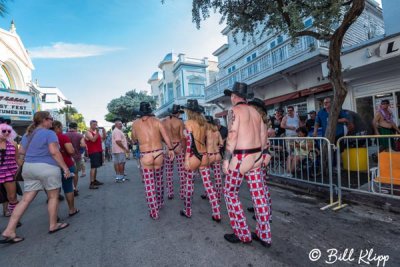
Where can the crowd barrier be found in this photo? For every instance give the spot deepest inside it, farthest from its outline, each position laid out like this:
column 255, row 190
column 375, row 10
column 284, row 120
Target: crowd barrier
column 367, row 164
column 304, row 159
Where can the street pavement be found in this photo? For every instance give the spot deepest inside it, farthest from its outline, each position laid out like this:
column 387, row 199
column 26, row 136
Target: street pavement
column 114, row 229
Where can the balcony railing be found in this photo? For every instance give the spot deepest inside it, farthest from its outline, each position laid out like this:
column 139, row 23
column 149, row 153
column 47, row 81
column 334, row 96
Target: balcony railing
column 266, row 62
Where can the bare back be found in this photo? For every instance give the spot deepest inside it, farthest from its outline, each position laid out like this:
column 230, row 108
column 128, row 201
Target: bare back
column 214, row 141
column 147, row 131
column 246, row 131
column 174, row 128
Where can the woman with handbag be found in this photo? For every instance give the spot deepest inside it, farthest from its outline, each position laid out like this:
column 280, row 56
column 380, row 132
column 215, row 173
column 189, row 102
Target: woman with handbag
column 41, row 158
column 8, row 166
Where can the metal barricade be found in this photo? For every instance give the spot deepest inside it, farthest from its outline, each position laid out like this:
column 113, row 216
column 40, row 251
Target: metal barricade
column 369, row 165
column 304, row 159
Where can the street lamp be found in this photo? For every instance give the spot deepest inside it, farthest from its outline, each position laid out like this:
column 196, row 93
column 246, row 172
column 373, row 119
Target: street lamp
column 67, row 102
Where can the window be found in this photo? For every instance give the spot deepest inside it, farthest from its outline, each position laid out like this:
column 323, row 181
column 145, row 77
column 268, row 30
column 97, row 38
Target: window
column 279, row 39
column 231, row 69
column 196, row 89
column 178, row 89
column 251, row 57
column 170, row 91
column 308, row 23
column 272, row 44
column 44, row 98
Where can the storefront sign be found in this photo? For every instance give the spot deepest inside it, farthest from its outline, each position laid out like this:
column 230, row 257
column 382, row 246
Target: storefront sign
column 389, row 48
column 16, row 106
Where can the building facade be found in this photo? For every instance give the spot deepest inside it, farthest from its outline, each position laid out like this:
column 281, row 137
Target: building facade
column 53, row 100
column 19, row 99
column 281, row 72
column 181, row 78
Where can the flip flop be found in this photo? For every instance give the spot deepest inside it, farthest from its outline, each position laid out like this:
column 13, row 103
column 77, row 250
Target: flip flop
column 60, row 226
column 12, row 240
column 74, row 213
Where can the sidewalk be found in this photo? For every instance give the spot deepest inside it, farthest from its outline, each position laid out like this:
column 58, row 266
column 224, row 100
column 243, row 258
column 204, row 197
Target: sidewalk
column 114, row 229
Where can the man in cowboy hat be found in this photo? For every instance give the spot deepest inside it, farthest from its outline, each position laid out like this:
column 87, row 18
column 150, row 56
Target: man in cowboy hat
column 149, row 132
column 243, row 159
column 174, row 127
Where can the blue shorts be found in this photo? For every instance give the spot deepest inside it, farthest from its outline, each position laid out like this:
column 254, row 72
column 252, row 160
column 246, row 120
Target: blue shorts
column 68, row 183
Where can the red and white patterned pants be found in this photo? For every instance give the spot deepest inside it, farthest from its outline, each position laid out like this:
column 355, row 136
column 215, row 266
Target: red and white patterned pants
column 239, row 225
column 180, row 161
column 150, row 192
column 169, row 174
column 212, row 195
column 189, row 188
column 216, row 167
column 264, row 177
column 159, row 180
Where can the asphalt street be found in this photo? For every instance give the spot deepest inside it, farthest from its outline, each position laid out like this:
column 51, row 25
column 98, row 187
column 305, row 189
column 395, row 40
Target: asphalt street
column 114, row 229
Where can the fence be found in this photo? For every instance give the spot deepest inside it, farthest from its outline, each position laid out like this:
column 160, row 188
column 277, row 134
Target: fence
column 362, row 164
column 304, row 159
column 368, row 165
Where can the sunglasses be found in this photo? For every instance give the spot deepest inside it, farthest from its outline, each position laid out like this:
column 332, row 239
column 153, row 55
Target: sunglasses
column 6, row 131
column 50, row 119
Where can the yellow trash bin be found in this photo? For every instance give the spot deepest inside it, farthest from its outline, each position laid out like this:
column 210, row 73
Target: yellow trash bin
column 349, row 157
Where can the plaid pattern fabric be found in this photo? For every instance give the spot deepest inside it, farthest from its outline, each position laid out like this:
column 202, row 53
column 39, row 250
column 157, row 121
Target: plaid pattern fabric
column 189, row 188
column 180, row 160
column 216, row 167
column 169, row 173
column 264, row 177
column 235, row 210
column 159, row 181
column 150, row 192
column 212, row 196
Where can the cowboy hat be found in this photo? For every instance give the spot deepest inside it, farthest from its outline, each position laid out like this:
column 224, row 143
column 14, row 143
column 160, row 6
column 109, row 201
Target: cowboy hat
column 193, row 105
column 239, row 89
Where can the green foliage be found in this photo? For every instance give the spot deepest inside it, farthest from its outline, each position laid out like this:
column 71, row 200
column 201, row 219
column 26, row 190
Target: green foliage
column 80, row 120
column 256, row 17
column 125, row 107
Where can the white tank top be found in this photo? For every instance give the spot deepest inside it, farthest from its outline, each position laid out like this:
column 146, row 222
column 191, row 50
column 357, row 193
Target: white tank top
column 293, row 122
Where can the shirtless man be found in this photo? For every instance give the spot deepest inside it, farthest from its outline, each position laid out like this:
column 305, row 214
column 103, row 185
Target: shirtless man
column 214, row 145
column 243, row 159
column 196, row 158
column 149, row 132
column 174, row 128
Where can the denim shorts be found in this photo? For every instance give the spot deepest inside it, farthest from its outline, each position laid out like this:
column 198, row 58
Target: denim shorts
column 68, row 183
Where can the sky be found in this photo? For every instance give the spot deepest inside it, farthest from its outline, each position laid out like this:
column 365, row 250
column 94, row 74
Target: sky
column 96, row 50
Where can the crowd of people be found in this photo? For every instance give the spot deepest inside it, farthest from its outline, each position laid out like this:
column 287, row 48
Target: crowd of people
column 222, row 156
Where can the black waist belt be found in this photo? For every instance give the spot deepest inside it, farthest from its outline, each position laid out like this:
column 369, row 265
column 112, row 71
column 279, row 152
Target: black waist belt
column 265, row 151
column 247, row 151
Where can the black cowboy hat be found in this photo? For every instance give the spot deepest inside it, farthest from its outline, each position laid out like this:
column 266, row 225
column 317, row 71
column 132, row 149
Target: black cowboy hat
column 193, row 105
column 210, row 119
column 239, row 89
column 176, row 109
column 145, row 109
column 258, row 103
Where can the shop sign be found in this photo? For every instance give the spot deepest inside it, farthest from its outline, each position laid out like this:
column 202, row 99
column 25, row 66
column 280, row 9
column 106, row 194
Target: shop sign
column 389, row 48
column 16, row 106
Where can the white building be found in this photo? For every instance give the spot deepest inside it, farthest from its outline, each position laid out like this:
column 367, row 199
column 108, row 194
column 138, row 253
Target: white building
column 53, row 100
column 372, row 69
column 181, row 78
column 18, row 97
column 282, row 73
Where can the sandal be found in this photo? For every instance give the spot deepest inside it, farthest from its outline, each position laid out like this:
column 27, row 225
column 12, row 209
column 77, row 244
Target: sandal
column 74, row 213
column 11, row 240
column 60, row 226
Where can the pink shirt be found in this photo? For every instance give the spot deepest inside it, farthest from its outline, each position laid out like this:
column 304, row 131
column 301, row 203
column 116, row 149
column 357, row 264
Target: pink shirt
column 118, row 135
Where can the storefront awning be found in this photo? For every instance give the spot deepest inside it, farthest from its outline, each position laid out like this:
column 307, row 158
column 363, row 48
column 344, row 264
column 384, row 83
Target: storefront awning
column 298, row 94
column 221, row 114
